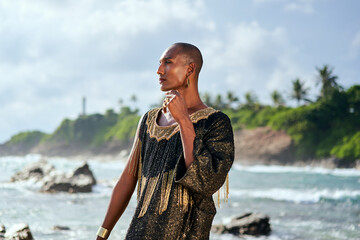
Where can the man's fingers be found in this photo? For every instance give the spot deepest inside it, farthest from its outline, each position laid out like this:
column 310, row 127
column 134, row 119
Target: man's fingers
column 172, row 92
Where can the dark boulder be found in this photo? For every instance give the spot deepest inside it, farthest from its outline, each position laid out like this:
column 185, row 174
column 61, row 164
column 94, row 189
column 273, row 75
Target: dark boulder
column 247, row 224
column 2, row 231
column 82, row 171
column 80, row 180
column 19, row 232
column 60, row 228
column 36, row 171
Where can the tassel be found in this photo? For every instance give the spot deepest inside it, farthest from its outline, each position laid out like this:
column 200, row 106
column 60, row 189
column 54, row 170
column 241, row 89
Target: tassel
column 180, row 195
column 225, row 188
column 167, row 182
column 151, row 185
column 185, row 200
column 139, row 186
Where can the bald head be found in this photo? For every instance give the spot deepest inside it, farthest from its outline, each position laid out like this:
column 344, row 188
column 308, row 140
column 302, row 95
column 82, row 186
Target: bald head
column 192, row 54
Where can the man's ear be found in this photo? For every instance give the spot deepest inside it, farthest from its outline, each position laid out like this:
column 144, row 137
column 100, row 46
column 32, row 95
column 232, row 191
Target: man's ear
column 191, row 69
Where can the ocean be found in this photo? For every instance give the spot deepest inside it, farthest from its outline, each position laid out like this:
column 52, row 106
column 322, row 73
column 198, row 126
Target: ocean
column 303, row 203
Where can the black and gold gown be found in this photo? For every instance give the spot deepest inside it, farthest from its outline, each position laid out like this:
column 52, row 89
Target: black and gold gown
column 175, row 202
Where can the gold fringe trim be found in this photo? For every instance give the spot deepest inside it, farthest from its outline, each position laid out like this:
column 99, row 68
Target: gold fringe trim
column 167, row 182
column 166, row 132
column 151, row 185
column 141, row 182
column 225, row 189
column 184, row 199
column 135, row 157
column 226, row 198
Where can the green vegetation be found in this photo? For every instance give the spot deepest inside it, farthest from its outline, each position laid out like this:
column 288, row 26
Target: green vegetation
column 27, row 140
column 96, row 129
column 327, row 126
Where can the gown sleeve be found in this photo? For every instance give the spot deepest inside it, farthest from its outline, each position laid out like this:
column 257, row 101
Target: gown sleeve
column 213, row 156
column 135, row 154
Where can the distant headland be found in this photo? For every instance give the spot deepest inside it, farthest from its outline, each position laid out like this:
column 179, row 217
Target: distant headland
column 325, row 128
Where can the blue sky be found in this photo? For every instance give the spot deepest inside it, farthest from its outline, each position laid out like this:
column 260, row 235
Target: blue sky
column 52, row 53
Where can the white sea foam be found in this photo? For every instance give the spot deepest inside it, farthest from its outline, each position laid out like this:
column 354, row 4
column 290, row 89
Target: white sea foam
column 297, row 196
column 290, row 169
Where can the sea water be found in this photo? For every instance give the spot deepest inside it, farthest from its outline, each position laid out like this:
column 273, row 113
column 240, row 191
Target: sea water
column 302, row 202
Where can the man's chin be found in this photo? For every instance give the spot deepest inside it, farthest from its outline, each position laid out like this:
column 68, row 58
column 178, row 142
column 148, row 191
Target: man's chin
column 165, row 89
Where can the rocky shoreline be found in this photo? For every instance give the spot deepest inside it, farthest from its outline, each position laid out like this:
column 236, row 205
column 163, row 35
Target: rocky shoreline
column 80, row 180
column 260, row 145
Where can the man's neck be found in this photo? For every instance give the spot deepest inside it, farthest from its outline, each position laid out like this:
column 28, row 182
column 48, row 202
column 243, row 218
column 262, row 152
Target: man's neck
column 192, row 100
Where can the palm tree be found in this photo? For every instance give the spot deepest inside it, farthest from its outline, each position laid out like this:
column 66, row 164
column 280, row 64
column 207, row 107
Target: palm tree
column 231, row 98
column 219, row 104
column 328, row 81
column 207, row 99
column 299, row 92
column 121, row 102
column 277, row 99
column 251, row 99
column 133, row 98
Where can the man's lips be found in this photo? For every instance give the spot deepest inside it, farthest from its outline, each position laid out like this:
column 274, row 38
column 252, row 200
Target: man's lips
column 161, row 80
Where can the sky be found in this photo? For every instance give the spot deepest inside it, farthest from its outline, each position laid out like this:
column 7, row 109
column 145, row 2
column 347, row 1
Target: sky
column 54, row 53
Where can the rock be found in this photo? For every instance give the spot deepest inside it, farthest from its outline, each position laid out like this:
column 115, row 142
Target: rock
column 60, row 228
column 19, row 232
column 357, row 164
column 2, row 231
column 80, row 180
column 84, row 170
column 35, row 171
column 247, row 224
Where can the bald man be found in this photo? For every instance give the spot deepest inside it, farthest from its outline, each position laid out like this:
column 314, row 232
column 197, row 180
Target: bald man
column 181, row 156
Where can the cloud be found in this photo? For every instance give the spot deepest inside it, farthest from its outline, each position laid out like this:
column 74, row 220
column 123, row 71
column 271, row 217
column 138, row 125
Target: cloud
column 355, row 46
column 53, row 53
column 302, row 6
column 251, row 57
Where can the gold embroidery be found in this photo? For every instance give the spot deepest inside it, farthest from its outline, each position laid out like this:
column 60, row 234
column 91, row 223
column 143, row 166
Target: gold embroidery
column 141, row 182
column 179, row 188
column 166, row 132
column 147, row 186
column 167, row 182
column 184, row 198
column 224, row 188
column 227, row 188
column 151, row 185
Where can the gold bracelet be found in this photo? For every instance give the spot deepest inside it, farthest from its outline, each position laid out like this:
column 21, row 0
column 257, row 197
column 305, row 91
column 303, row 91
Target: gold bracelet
column 102, row 232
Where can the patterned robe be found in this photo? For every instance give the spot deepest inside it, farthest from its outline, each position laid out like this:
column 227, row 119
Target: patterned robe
column 175, row 202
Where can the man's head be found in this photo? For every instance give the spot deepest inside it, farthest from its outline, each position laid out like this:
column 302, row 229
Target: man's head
column 178, row 63
column 191, row 53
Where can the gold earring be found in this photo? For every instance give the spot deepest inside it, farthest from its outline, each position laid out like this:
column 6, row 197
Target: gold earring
column 188, row 82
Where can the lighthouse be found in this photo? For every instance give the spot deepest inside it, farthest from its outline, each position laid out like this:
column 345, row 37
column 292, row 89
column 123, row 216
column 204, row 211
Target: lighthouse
column 83, row 106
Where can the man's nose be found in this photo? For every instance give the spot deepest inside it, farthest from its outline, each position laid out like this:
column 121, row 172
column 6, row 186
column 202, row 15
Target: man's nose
column 160, row 69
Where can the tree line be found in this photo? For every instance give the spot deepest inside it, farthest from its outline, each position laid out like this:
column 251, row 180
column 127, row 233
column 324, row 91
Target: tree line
column 299, row 92
column 328, row 126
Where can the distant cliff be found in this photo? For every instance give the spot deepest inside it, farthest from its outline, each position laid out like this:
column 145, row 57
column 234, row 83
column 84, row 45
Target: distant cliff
column 94, row 134
column 326, row 129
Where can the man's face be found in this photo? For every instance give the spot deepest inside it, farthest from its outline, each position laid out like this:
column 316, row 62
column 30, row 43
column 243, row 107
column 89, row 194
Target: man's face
column 172, row 70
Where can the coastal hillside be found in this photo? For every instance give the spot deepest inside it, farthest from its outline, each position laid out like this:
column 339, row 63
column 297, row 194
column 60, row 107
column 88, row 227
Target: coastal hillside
column 325, row 128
